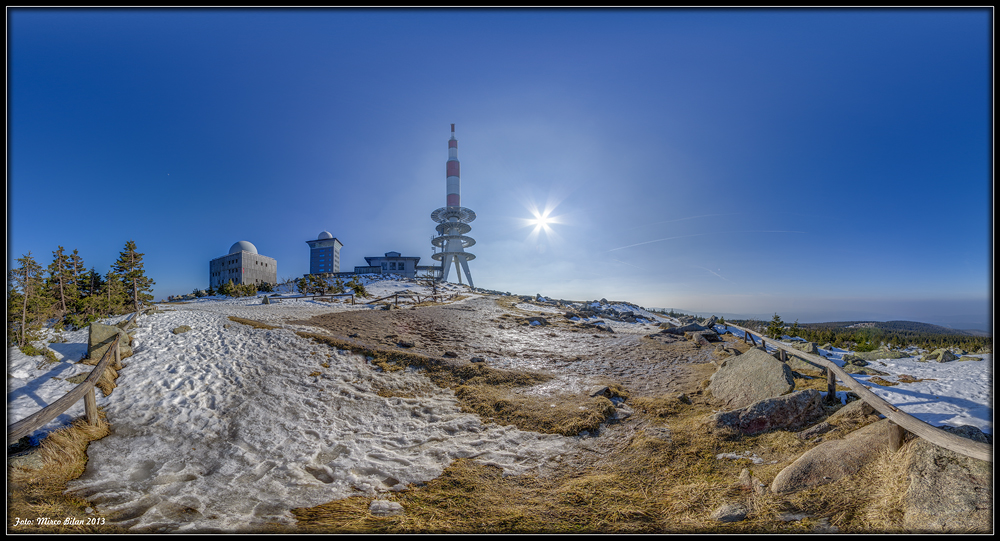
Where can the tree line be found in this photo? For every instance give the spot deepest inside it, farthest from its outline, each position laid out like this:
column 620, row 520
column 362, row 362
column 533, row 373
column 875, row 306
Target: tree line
column 67, row 295
column 869, row 338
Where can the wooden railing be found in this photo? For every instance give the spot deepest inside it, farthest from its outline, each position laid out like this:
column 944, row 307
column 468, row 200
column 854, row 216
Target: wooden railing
column 84, row 390
column 396, row 296
column 317, row 296
column 898, row 420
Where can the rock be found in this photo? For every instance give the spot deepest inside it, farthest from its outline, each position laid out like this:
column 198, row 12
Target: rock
column 854, row 360
column 750, row 377
column 683, row 398
column 450, row 354
column 815, row 430
column 940, row 355
column 746, row 479
column 857, row 409
column 709, row 322
column 823, row 526
column 788, row 411
column 535, row 320
column 723, row 352
column 880, row 354
column 799, row 364
column 477, row 360
column 666, row 325
column 181, row 329
column 265, row 300
column 702, row 337
column 827, row 346
column 862, row 370
column 384, row 508
column 832, row 460
column 621, row 413
column 969, row 358
column 806, row 347
column 730, row 512
column 31, row 460
column 404, row 344
column 77, row 379
column 690, row 327
column 948, row 492
column 99, row 339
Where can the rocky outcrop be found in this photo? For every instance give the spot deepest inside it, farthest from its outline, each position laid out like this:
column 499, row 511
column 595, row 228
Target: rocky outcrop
column 949, row 492
column 789, row 411
column 750, row 377
column 832, row 460
column 940, row 355
column 99, row 340
column 806, row 347
column 880, row 354
column 730, row 512
column 181, row 329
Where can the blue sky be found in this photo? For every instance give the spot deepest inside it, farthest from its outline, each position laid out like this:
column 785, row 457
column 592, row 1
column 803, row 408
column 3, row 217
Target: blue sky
column 819, row 164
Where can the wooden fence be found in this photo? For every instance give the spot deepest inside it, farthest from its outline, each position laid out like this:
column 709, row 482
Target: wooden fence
column 899, row 422
column 396, row 296
column 317, row 296
column 84, row 390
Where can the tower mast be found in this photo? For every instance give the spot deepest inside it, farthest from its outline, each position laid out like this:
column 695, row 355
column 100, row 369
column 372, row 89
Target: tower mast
column 453, row 221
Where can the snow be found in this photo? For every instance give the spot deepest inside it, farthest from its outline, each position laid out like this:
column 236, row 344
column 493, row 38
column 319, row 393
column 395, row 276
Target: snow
column 227, row 426
column 223, row 428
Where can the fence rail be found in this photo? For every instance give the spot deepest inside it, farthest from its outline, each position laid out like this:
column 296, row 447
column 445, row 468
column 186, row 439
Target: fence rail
column 897, row 418
column 84, row 390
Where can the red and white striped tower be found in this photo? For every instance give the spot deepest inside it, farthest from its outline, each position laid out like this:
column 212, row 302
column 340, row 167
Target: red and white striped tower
column 453, row 221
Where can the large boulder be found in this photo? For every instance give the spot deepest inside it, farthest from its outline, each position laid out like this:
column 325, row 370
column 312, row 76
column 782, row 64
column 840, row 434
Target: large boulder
column 789, row 411
column 99, row 340
column 940, row 355
column 833, row 460
column 690, row 327
column 949, row 492
column 750, row 377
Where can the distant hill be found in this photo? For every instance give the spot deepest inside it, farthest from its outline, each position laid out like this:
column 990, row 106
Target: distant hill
column 893, row 326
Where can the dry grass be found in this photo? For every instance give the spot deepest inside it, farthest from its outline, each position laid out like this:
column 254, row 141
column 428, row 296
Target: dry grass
column 253, row 323
column 39, row 493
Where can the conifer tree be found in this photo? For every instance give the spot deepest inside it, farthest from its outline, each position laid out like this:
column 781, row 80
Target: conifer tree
column 60, row 281
column 129, row 266
column 114, row 296
column 27, row 305
column 776, row 328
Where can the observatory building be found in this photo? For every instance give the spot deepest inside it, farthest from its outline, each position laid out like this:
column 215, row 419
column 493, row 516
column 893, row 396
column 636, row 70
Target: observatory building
column 242, row 265
column 453, row 221
column 324, row 254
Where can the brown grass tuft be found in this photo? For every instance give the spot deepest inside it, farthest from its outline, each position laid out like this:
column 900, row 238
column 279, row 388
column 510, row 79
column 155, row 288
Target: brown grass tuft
column 39, row 493
column 253, row 323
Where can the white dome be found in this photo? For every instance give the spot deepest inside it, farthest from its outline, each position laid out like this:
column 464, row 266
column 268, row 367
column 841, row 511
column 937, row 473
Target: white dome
column 324, row 235
column 243, row 246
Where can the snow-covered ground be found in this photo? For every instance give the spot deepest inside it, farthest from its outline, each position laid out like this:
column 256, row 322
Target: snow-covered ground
column 228, row 426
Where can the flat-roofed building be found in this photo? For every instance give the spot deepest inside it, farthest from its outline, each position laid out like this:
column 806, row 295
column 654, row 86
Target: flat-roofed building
column 242, row 265
column 393, row 263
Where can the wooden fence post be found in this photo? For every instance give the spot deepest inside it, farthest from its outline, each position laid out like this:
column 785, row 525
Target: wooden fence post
column 831, row 386
column 783, row 355
column 896, row 434
column 90, row 406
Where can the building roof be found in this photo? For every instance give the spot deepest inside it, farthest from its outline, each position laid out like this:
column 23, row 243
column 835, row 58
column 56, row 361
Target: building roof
column 324, row 235
column 243, row 246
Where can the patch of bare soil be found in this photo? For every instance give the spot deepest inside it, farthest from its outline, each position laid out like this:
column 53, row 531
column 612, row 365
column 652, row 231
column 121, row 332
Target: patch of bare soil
column 501, row 337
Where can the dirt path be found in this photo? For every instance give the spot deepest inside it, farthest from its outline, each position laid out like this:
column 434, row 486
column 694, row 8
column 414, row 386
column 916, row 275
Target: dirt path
column 483, row 327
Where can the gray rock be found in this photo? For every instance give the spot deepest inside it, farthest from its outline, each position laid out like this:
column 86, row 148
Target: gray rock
column 806, row 347
column 969, row 358
column 99, row 339
column 862, row 370
column 730, row 512
column 750, row 377
column 709, row 322
column 857, row 409
column 31, row 460
column 385, row 508
column 181, row 329
column 789, row 411
column 880, row 354
column 799, row 364
column 690, row 327
column 949, row 492
column 940, row 355
column 854, row 360
column 265, row 300
column 815, row 430
column 832, row 460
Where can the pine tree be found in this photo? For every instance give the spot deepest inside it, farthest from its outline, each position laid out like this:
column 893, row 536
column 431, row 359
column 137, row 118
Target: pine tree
column 776, row 328
column 129, row 265
column 27, row 303
column 114, row 296
column 61, row 283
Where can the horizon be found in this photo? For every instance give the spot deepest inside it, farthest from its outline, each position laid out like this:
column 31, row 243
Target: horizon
column 793, row 161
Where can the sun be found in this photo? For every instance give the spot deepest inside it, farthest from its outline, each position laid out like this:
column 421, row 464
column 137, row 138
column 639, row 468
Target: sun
column 541, row 220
